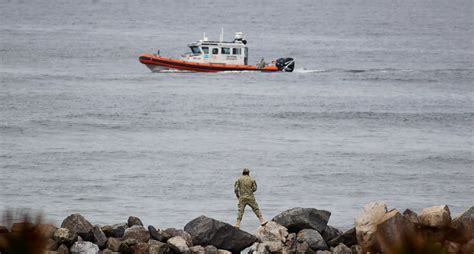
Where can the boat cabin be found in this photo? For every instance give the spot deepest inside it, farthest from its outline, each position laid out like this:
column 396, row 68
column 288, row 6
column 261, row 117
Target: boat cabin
column 219, row 52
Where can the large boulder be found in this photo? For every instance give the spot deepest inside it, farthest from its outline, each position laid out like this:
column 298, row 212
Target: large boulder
column 411, row 216
column 393, row 230
column 99, row 237
column 116, row 230
column 76, row 223
column 134, row 221
column 138, row 233
column 207, row 231
column 64, row 235
column 158, row 234
column 366, row 225
column 298, row 218
column 462, row 227
column 348, row 238
column 271, row 232
column 82, row 247
column 436, row 216
column 313, row 238
column 330, row 233
column 172, row 232
column 113, row 244
column 177, row 243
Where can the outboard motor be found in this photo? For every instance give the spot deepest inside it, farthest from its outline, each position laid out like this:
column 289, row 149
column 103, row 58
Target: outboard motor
column 285, row 64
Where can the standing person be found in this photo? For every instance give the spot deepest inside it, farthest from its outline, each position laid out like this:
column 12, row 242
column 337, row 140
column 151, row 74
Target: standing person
column 244, row 188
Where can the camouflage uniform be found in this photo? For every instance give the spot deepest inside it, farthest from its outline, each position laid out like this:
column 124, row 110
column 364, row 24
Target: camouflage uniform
column 244, row 188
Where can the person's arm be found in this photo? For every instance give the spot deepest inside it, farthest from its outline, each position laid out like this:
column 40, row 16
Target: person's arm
column 254, row 186
column 236, row 189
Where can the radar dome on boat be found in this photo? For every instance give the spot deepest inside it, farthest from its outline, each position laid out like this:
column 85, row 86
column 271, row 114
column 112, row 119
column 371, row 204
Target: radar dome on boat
column 239, row 35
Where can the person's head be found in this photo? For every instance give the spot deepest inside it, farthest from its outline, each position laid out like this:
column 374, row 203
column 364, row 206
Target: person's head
column 246, row 172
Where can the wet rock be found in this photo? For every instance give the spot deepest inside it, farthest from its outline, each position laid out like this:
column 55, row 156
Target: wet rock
column 197, row 249
column 462, row 227
column 78, row 225
column 63, row 249
column 348, row 238
column 313, row 238
column 272, row 231
column 138, row 233
column 84, row 247
column 64, row 235
column 99, row 237
column 341, row 249
column 298, row 218
column 330, row 233
column 177, row 243
column 206, row 231
column 113, row 244
column 393, row 229
column 172, row 232
column 411, row 216
column 158, row 234
column 210, row 249
column 366, row 226
column 134, row 221
column 436, row 216
column 47, row 230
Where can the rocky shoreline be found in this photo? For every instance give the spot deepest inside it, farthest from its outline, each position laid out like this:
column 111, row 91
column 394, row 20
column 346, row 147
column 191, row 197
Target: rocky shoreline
column 297, row 230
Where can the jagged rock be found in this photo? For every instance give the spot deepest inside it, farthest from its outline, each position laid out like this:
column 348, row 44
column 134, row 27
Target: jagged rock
column 159, row 248
column 158, row 234
column 411, row 216
column 348, row 238
column 134, row 221
column 341, row 249
column 172, row 232
column 178, row 244
column 63, row 249
column 366, row 225
column 223, row 252
column 138, row 233
column 356, row 249
column 47, row 230
column 140, row 248
column 83, row 247
column 113, row 244
column 272, row 231
column 462, row 227
column 436, row 216
column 468, row 248
column 206, row 231
column 64, row 235
column 210, row 249
column 99, row 237
column 313, row 238
column 197, row 249
column 330, row 233
column 393, row 229
column 298, row 218
column 79, row 225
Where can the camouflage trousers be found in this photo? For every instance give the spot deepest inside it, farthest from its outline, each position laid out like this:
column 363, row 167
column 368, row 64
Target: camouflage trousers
column 250, row 201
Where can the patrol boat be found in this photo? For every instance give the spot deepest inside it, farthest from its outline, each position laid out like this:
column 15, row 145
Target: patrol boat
column 214, row 56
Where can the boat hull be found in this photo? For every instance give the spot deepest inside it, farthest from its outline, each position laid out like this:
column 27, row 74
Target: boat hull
column 158, row 63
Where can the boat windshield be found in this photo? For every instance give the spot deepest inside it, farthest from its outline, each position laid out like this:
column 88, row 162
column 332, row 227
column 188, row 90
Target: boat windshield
column 206, row 50
column 195, row 50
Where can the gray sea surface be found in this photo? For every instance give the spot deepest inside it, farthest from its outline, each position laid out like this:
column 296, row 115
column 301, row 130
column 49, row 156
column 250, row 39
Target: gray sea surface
column 379, row 108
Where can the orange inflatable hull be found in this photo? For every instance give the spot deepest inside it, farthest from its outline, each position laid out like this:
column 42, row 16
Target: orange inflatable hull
column 157, row 63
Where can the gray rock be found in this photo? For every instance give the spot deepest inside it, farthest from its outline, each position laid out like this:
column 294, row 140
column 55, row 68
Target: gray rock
column 177, row 243
column 330, row 233
column 138, row 233
column 99, row 237
column 298, row 218
column 64, row 235
column 462, row 227
column 348, row 238
column 302, row 247
column 267, row 247
column 158, row 234
column 83, row 247
column 107, row 251
column 341, row 249
column 291, row 241
column 159, row 248
column 108, row 230
column 323, row 252
column 411, row 216
column 197, row 249
column 172, row 232
column 206, row 231
column 210, row 249
column 313, row 238
column 356, row 249
column 271, row 232
column 119, row 229
column 77, row 224
column 113, row 244
column 134, row 221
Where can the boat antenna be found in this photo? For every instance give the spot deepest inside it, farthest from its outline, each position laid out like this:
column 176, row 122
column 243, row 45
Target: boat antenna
column 204, row 38
column 222, row 35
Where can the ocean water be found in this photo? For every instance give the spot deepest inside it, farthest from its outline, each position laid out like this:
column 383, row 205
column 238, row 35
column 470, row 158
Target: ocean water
column 379, row 108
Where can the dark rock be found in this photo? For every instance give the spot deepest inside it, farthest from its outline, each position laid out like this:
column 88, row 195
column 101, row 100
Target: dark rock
column 107, row 251
column 99, row 237
column 63, row 249
column 299, row 218
column 3, row 230
column 138, row 233
column 411, row 216
column 356, row 249
column 52, row 245
column 83, row 247
column 313, row 238
column 134, row 221
column 125, row 249
column 206, row 231
column 108, row 230
column 119, row 229
column 158, row 234
column 64, row 235
column 79, row 225
column 462, row 227
column 468, row 248
column 393, row 229
column 172, row 232
column 211, row 249
column 348, row 238
column 330, row 233
column 160, row 248
column 113, row 244
column 341, row 249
